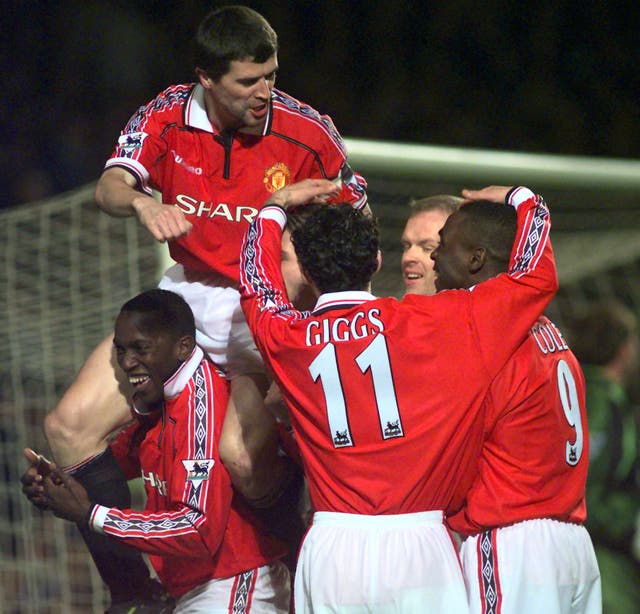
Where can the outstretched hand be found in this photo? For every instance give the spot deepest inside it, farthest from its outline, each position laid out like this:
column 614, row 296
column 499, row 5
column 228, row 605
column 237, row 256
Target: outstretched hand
column 33, row 478
column 304, row 192
column 493, row 193
column 66, row 497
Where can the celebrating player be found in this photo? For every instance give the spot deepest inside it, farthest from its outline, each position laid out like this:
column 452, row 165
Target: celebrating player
column 198, row 534
column 215, row 150
column 528, row 551
column 419, row 239
column 384, row 397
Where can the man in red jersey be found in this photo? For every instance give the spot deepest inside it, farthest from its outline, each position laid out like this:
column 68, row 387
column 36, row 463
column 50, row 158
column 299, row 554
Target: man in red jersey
column 384, row 396
column 527, row 551
column 194, row 528
column 214, row 149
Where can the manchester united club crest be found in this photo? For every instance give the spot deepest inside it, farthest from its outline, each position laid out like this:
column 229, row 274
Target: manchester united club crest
column 277, row 177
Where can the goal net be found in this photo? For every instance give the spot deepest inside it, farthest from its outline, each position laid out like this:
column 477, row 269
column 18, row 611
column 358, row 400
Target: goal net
column 66, row 269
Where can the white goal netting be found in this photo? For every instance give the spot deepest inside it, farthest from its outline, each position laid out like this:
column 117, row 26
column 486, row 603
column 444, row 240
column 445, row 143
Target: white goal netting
column 66, row 268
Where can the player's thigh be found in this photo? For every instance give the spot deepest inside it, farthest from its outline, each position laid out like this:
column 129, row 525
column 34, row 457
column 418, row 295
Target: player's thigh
column 221, row 328
column 91, row 408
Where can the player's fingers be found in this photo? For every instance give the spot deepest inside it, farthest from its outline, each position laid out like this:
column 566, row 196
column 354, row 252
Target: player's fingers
column 494, row 193
column 56, row 478
column 171, row 225
column 51, row 485
column 29, row 477
column 30, row 455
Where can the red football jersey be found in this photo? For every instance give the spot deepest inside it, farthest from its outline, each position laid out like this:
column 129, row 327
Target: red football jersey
column 193, row 526
column 220, row 181
column 386, row 396
column 535, row 458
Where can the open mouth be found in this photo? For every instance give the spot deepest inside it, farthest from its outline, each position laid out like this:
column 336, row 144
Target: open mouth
column 259, row 112
column 137, row 381
column 411, row 277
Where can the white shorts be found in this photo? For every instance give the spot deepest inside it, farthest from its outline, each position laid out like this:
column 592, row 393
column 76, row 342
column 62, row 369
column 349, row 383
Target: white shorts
column 401, row 563
column 532, row 567
column 265, row 590
column 221, row 328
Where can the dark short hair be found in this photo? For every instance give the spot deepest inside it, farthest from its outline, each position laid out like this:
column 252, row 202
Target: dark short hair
column 162, row 311
column 600, row 330
column 492, row 226
column 232, row 33
column 297, row 216
column 337, row 247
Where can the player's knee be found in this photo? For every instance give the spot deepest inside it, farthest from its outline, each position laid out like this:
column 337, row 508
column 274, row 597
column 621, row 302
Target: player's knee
column 58, row 430
column 68, row 437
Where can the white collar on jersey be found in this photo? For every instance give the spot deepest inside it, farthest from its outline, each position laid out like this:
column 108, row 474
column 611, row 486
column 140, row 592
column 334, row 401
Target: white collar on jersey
column 176, row 383
column 342, row 299
column 195, row 114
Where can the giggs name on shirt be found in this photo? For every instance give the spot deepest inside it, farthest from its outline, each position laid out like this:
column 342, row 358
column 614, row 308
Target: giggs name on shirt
column 358, row 326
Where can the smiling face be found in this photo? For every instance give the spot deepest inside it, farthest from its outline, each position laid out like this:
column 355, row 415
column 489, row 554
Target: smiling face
column 419, row 239
column 240, row 98
column 148, row 357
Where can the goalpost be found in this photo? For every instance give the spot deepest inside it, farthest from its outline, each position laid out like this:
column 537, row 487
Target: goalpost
column 67, row 268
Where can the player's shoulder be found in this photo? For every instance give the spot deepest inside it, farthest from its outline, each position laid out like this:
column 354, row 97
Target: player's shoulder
column 166, row 107
column 213, row 371
column 293, row 115
column 170, row 98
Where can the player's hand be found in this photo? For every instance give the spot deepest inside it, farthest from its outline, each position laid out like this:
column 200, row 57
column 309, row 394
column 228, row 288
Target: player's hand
column 164, row 222
column 66, row 497
column 493, row 193
column 304, row 192
column 33, row 478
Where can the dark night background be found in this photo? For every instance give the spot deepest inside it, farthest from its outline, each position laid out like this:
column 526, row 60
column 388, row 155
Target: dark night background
column 546, row 76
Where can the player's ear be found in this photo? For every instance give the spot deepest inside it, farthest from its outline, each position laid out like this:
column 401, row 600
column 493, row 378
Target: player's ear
column 185, row 346
column 379, row 261
column 203, row 78
column 477, row 259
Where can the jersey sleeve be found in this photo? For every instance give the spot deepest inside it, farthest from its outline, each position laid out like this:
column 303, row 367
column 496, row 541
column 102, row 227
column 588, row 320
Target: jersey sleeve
column 504, row 308
column 263, row 293
column 322, row 137
column 199, row 493
column 352, row 185
column 140, row 148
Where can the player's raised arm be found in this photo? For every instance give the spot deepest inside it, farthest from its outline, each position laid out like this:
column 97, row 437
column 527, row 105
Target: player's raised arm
column 303, row 192
column 116, row 194
column 485, row 234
